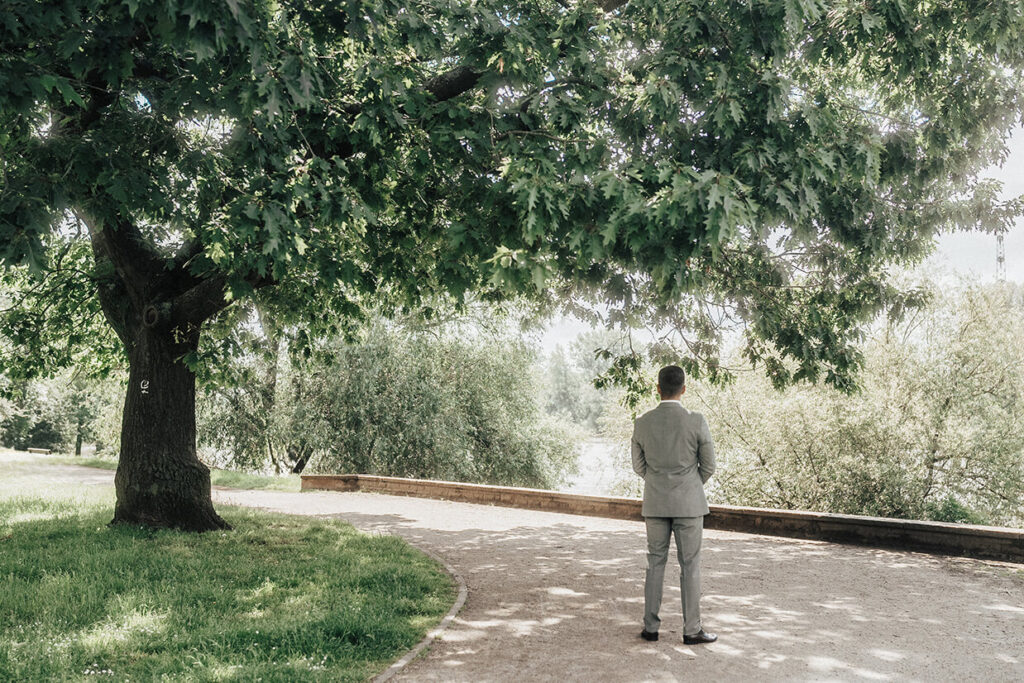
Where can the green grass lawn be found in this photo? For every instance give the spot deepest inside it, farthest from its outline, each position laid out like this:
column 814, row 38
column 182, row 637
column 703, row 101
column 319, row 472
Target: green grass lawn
column 280, row 598
column 230, row 478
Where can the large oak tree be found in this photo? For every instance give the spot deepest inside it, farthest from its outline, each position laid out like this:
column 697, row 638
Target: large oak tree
column 677, row 160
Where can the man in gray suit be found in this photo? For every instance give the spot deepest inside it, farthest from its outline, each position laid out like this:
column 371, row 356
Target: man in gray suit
column 672, row 451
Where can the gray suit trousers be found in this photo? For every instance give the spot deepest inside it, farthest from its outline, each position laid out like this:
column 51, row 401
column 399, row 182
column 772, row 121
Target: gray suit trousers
column 688, row 532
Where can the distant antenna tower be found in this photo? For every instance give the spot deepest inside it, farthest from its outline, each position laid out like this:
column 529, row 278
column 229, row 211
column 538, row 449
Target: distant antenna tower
column 1000, row 258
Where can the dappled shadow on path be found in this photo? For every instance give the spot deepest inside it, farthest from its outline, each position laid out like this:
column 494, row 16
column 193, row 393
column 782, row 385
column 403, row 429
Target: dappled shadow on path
column 557, row 597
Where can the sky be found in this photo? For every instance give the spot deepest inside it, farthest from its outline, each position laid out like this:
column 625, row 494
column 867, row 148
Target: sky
column 974, row 254
column 971, row 255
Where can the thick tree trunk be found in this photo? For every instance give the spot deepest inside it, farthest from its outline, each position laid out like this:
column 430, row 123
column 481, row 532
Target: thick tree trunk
column 160, row 481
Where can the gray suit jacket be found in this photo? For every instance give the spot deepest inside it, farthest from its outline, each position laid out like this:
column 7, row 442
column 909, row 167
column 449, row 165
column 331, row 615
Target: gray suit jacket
column 672, row 451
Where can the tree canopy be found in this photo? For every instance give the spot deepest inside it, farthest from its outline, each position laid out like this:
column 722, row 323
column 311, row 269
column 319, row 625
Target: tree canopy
column 775, row 156
column 683, row 162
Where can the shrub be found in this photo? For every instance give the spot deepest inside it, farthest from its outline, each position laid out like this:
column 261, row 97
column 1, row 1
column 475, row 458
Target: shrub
column 401, row 402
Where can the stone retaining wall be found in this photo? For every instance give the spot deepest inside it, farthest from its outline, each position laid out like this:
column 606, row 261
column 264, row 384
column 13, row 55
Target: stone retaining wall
column 995, row 543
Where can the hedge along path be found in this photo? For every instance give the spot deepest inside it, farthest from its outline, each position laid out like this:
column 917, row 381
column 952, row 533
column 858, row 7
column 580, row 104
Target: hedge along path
column 559, row 597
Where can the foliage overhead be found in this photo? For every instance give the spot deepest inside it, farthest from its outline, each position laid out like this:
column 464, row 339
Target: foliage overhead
column 685, row 163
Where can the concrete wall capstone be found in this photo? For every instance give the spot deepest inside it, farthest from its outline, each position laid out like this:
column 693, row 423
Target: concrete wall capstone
column 996, row 543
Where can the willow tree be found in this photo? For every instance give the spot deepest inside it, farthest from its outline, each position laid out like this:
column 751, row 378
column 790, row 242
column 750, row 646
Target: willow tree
column 676, row 160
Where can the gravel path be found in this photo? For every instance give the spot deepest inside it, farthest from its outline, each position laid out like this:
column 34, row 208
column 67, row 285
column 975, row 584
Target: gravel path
column 559, row 598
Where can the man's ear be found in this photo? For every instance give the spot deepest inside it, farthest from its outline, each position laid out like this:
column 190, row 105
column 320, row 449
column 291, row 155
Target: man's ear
column 683, row 391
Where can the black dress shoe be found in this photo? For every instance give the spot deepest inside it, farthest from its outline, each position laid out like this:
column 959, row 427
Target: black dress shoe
column 700, row 638
column 647, row 635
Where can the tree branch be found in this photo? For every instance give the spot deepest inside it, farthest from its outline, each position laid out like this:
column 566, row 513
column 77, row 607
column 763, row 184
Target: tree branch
column 452, row 83
column 442, row 87
column 462, row 78
column 188, row 251
column 134, row 259
column 190, row 309
column 113, row 294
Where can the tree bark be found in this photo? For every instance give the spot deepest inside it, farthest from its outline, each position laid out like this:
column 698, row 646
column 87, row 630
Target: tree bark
column 300, row 457
column 160, row 482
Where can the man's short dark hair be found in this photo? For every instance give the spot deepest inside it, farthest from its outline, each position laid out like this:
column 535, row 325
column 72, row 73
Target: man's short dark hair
column 671, row 380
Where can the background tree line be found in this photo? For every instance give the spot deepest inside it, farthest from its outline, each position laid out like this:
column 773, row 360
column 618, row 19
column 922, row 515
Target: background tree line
column 63, row 413
column 935, row 430
column 461, row 398
column 458, row 399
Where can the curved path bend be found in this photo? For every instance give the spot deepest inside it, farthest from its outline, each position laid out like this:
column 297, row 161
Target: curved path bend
column 556, row 597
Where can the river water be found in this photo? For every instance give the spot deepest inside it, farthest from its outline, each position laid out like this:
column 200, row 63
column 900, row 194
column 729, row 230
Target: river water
column 605, row 470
